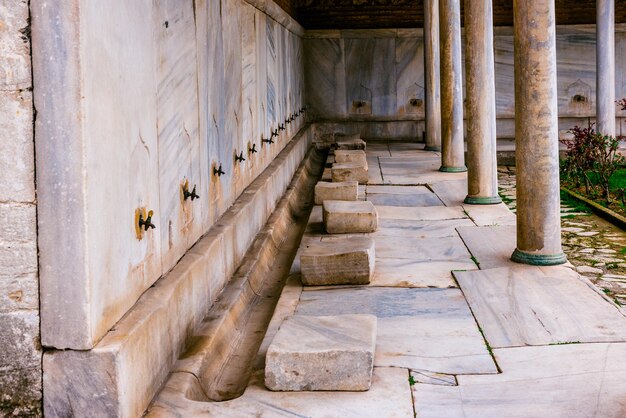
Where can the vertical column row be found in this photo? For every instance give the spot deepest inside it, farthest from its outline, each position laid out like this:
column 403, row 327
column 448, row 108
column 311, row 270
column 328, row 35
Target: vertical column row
column 536, row 131
column 605, row 66
column 482, row 173
column 431, row 75
column 452, row 147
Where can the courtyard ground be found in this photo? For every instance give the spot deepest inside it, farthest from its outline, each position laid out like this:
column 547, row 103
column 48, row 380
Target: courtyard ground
column 462, row 330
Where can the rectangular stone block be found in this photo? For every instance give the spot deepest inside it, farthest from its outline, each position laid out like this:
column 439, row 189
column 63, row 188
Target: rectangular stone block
column 322, row 353
column 341, row 217
column 350, row 156
column 341, row 261
column 351, row 144
column 349, row 172
column 345, row 190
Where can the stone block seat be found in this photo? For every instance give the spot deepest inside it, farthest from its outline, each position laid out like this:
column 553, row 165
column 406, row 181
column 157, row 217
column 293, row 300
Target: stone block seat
column 312, row 353
column 350, row 156
column 345, row 260
column 341, row 217
column 355, row 171
column 351, row 143
column 344, row 190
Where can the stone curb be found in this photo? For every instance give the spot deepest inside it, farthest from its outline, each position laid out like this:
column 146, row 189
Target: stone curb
column 606, row 213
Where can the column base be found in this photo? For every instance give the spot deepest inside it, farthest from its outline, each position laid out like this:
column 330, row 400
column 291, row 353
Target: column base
column 476, row 200
column 432, row 148
column 444, row 169
column 538, row 259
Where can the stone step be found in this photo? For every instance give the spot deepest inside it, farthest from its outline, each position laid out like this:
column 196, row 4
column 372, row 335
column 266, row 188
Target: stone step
column 350, row 156
column 341, row 217
column 349, row 172
column 322, row 353
column 344, row 190
column 351, row 143
column 346, row 260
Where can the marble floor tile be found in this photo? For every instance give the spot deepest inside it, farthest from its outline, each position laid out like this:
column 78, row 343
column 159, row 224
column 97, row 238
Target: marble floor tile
column 425, row 329
column 421, row 199
column 434, row 213
column 524, row 305
column 451, row 192
column 420, row 229
column 574, row 381
column 491, row 246
column 484, row 215
column 410, row 190
column 440, row 249
column 428, row 177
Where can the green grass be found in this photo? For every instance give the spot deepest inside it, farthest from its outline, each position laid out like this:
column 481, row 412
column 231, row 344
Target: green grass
column 411, row 380
column 575, row 204
column 618, row 180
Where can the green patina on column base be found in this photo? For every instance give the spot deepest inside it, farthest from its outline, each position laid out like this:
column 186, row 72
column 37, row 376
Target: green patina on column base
column 444, row 169
column 436, row 149
column 476, row 200
column 538, row 259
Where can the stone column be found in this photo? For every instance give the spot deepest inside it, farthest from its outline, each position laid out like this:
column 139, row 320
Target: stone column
column 452, row 149
column 605, row 67
column 431, row 75
column 536, row 132
column 482, row 172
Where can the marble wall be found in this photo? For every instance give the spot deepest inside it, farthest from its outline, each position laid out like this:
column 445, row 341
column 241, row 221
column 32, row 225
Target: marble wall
column 125, row 123
column 377, row 76
column 20, row 351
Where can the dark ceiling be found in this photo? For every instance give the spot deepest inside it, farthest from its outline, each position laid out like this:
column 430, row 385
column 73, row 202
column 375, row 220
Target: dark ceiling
column 369, row 14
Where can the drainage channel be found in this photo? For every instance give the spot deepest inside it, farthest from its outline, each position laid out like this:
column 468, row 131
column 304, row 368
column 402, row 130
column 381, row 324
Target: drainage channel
column 220, row 355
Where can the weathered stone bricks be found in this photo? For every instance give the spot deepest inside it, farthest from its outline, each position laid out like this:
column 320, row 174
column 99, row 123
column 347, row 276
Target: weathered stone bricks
column 336, row 262
column 342, row 217
column 346, row 190
column 322, row 353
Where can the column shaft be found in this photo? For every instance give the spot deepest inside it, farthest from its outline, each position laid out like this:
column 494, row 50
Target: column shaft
column 605, row 65
column 452, row 148
column 482, row 174
column 536, row 133
column 431, row 75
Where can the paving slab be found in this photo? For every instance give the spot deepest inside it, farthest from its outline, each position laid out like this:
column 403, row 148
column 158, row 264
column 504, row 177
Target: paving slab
column 389, row 396
column 525, row 305
column 348, row 260
column 574, row 380
column 425, row 329
column 491, row 246
column 341, row 217
column 420, row 229
column 441, row 249
column 347, row 190
column 451, row 192
column 374, row 174
column 403, row 199
column 427, row 177
column 312, row 353
column 435, row 213
column 485, row 215
column 410, row 190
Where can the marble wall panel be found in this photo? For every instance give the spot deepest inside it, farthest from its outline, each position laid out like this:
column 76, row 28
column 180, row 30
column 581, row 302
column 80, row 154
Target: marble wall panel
column 325, row 77
column 215, row 115
column 177, row 128
column 371, row 75
column 410, row 76
column 231, row 27
column 249, row 123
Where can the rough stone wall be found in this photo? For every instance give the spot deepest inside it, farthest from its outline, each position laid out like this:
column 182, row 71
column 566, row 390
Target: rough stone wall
column 20, row 352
